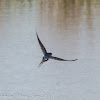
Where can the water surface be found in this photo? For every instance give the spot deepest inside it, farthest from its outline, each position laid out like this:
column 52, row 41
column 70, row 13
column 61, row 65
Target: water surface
column 69, row 29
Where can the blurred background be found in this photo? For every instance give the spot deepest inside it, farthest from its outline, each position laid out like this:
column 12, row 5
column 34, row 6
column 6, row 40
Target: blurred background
column 69, row 29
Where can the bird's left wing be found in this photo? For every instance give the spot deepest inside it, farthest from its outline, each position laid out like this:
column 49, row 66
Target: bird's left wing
column 60, row 59
column 41, row 45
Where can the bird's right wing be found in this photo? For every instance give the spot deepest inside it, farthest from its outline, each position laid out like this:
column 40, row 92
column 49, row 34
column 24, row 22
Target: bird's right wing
column 41, row 45
column 60, row 59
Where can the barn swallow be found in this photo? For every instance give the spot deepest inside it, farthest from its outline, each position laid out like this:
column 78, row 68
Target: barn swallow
column 47, row 55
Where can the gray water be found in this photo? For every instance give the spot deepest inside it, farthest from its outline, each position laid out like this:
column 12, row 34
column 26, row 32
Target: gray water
column 69, row 29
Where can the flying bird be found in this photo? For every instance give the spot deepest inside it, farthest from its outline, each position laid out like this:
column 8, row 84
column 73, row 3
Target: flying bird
column 47, row 55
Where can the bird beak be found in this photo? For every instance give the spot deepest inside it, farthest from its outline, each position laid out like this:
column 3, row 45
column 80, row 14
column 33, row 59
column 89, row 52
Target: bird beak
column 41, row 63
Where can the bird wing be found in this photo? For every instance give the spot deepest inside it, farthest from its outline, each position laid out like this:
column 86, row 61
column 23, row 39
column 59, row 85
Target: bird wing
column 60, row 59
column 41, row 45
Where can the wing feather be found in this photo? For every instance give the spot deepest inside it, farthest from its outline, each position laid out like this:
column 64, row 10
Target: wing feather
column 41, row 45
column 60, row 59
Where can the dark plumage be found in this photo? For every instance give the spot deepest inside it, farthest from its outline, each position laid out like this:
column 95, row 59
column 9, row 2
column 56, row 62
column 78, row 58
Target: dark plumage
column 47, row 55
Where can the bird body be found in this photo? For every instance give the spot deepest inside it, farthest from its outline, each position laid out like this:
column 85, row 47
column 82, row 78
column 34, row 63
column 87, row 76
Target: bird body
column 47, row 55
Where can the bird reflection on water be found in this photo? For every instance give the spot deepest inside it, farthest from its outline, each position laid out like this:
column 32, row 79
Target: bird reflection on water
column 47, row 55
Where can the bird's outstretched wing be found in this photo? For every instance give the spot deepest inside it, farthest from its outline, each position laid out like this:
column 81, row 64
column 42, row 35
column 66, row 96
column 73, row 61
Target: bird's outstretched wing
column 60, row 59
column 41, row 45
